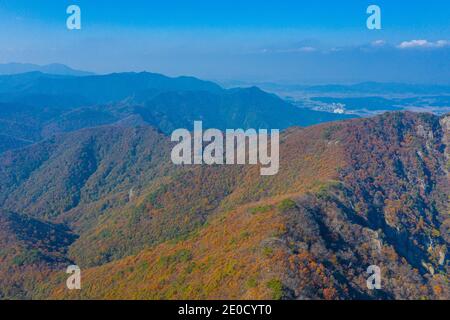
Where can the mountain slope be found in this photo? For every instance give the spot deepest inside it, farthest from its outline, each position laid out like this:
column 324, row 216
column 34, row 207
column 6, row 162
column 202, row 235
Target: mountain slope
column 30, row 250
column 47, row 179
column 9, row 143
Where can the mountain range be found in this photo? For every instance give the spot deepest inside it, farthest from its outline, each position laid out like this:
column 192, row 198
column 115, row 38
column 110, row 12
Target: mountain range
column 35, row 106
column 86, row 179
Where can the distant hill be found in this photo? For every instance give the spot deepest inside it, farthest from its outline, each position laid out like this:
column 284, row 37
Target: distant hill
column 54, row 68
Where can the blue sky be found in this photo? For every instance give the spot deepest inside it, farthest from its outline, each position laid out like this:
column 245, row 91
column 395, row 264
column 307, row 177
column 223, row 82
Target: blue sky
column 279, row 41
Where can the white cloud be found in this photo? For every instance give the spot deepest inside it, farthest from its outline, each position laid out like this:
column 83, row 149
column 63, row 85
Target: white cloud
column 290, row 50
column 378, row 43
column 306, row 49
column 423, row 44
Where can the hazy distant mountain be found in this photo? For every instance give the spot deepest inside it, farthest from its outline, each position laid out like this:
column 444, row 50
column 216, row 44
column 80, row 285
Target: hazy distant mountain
column 96, row 89
column 34, row 106
column 382, row 88
column 54, row 68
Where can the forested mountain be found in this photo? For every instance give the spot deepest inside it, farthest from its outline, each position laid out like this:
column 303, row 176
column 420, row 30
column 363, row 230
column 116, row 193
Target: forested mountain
column 348, row 195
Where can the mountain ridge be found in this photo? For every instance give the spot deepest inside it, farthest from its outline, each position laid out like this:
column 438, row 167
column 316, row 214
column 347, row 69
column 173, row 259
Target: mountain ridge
column 53, row 68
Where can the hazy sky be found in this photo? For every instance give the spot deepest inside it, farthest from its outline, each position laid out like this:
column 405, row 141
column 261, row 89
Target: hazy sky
column 266, row 40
